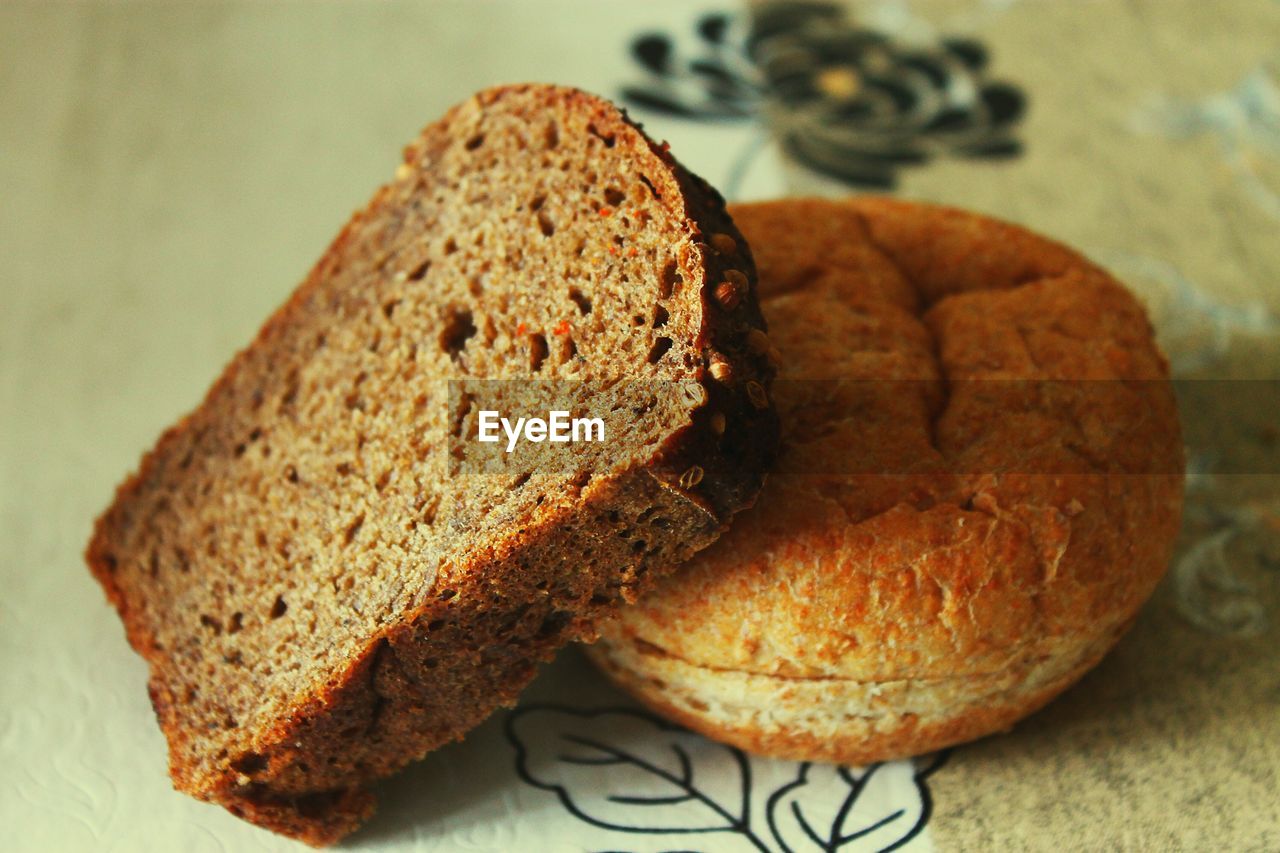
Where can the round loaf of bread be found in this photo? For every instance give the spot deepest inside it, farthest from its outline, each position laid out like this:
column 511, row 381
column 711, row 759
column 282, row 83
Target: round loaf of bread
column 980, row 484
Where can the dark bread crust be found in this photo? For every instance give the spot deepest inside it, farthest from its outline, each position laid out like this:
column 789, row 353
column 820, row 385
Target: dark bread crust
column 441, row 666
column 946, row 544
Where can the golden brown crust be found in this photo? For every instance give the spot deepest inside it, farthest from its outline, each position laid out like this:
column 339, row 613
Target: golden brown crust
column 838, row 720
column 980, row 479
column 439, row 667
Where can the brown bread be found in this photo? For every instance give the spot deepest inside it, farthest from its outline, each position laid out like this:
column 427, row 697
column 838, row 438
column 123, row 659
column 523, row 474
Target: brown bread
column 324, row 584
column 979, row 485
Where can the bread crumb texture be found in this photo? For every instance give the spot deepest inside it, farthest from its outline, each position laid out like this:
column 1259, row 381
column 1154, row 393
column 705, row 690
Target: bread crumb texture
column 979, row 486
column 321, row 597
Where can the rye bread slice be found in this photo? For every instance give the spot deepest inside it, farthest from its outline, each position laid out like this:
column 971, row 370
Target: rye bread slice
column 323, row 588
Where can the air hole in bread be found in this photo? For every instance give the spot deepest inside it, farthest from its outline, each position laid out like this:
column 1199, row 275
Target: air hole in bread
column 447, row 594
column 249, row 763
column 581, row 300
column 458, row 329
column 551, row 135
column 429, row 511
column 537, row 352
column 606, row 138
column 614, row 197
column 418, row 273
column 660, row 316
column 278, row 608
column 670, row 280
column 568, row 349
column 291, row 473
column 660, row 348
column 353, row 530
column 290, row 395
column 545, row 225
column 475, row 142
column 466, row 402
column 436, row 624
column 644, row 179
column 211, row 623
column 536, row 203
column 450, row 246
column 553, row 624
column 235, row 623
column 520, row 480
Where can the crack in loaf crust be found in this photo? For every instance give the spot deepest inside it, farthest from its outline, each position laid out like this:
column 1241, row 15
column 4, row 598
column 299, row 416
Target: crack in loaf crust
column 936, row 555
column 318, row 601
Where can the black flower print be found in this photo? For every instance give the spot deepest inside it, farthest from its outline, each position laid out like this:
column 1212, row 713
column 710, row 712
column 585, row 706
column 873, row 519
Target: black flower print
column 845, row 101
column 627, row 771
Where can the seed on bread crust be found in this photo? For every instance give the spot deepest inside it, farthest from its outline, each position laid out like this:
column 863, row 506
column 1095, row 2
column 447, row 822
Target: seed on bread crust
column 691, row 477
column 693, row 394
column 729, row 295
column 760, row 344
column 724, row 244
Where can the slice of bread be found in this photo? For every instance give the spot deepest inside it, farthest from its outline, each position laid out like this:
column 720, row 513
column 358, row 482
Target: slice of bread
column 323, row 590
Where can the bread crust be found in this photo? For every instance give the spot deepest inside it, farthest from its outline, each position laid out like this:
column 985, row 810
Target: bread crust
column 954, row 534
column 842, row 720
column 440, row 667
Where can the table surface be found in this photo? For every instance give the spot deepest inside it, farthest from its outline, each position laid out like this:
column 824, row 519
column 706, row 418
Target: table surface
column 169, row 170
